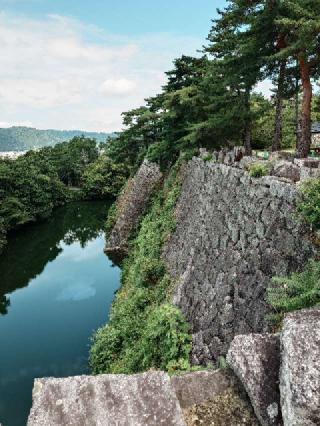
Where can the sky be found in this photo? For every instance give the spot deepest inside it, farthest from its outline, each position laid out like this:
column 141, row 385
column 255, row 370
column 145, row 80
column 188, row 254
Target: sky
column 77, row 64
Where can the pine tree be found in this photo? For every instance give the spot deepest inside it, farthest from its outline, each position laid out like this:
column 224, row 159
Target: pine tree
column 300, row 22
column 235, row 46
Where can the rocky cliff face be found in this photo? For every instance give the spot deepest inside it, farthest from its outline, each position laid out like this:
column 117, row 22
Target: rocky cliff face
column 234, row 233
column 130, row 207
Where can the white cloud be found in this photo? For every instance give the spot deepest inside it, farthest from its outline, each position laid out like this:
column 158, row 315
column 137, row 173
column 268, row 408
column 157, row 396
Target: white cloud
column 60, row 73
column 6, row 124
column 121, row 86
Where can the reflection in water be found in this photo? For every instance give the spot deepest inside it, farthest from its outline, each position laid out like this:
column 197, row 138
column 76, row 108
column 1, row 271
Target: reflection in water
column 56, row 288
column 4, row 304
column 77, row 292
column 25, row 257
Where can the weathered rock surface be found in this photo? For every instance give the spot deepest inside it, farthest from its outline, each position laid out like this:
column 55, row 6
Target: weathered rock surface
column 255, row 359
column 231, row 408
column 233, row 234
column 213, row 398
column 107, row 400
column 287, row 170
column 131, row 206
column 201, row 386
column 300, row 369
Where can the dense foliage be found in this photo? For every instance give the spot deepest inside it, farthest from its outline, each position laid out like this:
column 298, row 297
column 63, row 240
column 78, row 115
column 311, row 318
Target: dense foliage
column 145, row 331
column 298, row 291
column 309, row 205
column 258, row 170
column 25, row 138
column 103, row 178
column 210, row 101
column 29, row 189
column 32, row 185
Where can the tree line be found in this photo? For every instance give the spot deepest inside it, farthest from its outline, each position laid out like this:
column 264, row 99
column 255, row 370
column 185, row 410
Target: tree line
column 210, row 101
column 34, row 184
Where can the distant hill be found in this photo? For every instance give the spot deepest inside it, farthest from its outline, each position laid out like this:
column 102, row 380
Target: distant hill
column 25, row 138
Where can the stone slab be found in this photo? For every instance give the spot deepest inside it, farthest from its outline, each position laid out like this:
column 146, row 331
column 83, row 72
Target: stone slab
column 300, row 368
column 130, row 207
column 106, row 400
column 255, row 359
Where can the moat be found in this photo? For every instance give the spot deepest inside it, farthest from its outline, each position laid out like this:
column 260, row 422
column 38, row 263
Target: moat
column 56, row 288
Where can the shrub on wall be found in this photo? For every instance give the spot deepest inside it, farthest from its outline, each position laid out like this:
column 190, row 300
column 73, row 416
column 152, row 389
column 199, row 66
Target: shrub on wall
column 309, row 205
column 258, row 170
column 298, row 291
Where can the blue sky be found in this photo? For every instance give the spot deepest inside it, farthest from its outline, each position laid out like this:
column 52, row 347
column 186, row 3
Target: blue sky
column 79, row 64
column 131, row 17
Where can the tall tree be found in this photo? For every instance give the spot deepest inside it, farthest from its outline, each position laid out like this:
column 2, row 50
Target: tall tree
column 300, row 21
column 235, row 45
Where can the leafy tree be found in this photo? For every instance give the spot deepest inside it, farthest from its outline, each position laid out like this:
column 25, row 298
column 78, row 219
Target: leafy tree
column 70, row 159
column 236, row 47
column 263, row 123
column 131, row 145
column 103, row 178
column 34, row 184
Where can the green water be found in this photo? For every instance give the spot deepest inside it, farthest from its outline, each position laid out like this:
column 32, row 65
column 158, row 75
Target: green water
column 56, row 287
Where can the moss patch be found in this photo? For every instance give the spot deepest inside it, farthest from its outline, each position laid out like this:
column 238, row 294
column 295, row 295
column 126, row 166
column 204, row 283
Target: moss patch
column 229, row 408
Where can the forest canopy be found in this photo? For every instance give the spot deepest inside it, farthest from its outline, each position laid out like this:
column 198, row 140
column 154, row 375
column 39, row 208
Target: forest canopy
column 34, row 184
column 211, row 101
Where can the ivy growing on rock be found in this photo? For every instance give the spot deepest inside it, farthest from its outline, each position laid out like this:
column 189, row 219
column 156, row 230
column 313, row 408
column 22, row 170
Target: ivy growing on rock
column 309, row 205
column 146, row 330
column 300, row 290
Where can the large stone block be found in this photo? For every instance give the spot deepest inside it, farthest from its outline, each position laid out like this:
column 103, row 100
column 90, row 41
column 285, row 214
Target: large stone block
column 131, row 206
column 300, row 369
column 287, row 169
column 106, row 400
column 255, row 359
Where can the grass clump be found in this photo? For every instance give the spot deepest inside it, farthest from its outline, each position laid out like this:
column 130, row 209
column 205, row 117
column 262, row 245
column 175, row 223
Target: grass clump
column 145, row 331
column 300, row 290
column 208, row 157
column 257, row 170
column 111, row 219
column 309, row 205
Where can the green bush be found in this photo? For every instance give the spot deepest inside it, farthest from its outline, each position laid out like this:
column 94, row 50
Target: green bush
column 165, row 338
column 207, row 157
column 111, row 219
column 298, row 291
column 145, row 331
column 103, row 179
column 309, row 205
column 258, row 170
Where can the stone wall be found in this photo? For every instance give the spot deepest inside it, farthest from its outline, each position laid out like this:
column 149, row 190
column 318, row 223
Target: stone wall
column 233, row 234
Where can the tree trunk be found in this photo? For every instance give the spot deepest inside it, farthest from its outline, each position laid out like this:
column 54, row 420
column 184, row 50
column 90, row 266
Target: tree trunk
column 305, row 135
column 296, row 107
column 248, row 124
column 247, row 139
column 279, row 107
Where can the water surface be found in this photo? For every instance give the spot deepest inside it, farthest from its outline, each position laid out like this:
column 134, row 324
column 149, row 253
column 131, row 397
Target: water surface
column 56, row 287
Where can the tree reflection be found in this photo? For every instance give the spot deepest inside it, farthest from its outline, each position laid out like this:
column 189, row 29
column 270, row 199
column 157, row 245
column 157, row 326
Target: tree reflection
column 31, row 248
column 4, row 304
